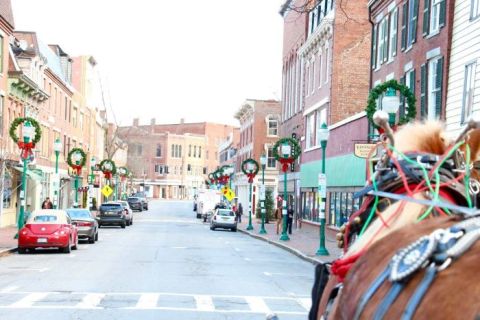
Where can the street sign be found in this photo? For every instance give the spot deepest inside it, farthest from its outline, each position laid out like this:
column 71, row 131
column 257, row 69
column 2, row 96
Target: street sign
column 107, row 191
column 261, row 190
column 363, row 149
column 228, row 193
column 322, row 185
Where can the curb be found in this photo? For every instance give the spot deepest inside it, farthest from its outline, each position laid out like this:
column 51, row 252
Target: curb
column 6, row 252
column 284, row 247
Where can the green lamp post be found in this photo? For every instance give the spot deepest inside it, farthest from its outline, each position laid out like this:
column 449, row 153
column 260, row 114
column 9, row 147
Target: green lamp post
column 286, row 151
column 76, row 157
column 57, row 147
column 250, row 169
column 323, row 133
column 263, row 163
column 390, row 104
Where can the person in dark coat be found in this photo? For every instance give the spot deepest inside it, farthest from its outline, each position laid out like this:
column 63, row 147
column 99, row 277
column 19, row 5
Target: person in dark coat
column 47, row 204
column 239, row 213
column 290, row 213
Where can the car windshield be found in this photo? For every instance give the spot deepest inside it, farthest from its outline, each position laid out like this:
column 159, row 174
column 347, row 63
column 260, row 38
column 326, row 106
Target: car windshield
column 45, row 218
column 75, row 214
column 226, row 213
column 133, row 199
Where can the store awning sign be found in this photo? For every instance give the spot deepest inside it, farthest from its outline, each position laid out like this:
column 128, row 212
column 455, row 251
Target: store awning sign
column 362, row 150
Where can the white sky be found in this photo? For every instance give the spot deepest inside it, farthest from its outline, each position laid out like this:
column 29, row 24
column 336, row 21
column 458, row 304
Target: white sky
column 191, row 59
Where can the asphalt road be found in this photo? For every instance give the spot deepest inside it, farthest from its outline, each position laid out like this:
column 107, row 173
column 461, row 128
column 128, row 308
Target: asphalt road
column 168, row 265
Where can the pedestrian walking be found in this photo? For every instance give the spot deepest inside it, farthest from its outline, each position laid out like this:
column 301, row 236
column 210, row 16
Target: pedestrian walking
column 290, row 218
column 239, row 213
column 279, row 217
column 47, row 204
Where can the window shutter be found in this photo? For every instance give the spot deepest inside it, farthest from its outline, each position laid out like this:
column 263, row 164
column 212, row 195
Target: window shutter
column 404, row 26
column 426, row 17
column 374, row 47
column 415, row 21
column 443, row 9
column 401, row 111
column 412, row 81
column 438, row 86
column 385, row 39
column 395, row 35
column 423, row 90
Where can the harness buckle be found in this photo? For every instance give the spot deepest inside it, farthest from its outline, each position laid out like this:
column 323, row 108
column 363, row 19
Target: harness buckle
column 474, row 186
column 445, row 264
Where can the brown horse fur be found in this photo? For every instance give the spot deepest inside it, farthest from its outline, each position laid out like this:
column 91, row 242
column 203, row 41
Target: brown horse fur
column 454, row 294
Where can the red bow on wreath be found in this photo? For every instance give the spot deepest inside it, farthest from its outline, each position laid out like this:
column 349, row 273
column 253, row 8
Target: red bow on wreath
column 108, row 174
column 285, row 162
column 26, row 149
column 78, row 169
column 212, row 181
column 250, row 176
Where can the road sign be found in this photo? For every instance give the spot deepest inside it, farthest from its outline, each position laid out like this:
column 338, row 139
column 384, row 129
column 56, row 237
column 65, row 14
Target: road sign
column 107, row 191
column 322, row 185
column 228, row 193
column 261, row 192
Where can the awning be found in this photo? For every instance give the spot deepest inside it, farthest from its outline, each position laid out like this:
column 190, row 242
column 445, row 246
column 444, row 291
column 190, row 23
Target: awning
column 34, row 174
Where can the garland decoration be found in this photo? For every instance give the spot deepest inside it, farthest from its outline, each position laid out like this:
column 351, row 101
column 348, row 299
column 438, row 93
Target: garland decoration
column 108, row 172
column 250, row 175
column 25, row 147
column 380, row 89
column 77, row 167
column 296, row 150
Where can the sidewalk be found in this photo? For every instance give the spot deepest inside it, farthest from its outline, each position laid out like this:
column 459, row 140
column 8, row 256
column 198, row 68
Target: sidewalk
column 304, row 242
column 7, row 242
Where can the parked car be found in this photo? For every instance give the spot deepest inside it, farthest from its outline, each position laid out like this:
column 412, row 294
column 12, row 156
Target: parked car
column 111, row 214
column 223, row 218
column 143, row 198
column 87, row 225
column 135, row 203
column 48, row 228
column 128, row 211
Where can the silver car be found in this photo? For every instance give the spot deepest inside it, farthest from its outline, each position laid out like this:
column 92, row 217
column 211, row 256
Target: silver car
column 128, row 211
column 224, row 218
column 87, row 225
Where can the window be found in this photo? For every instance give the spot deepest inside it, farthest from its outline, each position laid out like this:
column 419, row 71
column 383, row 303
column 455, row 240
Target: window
column 310, row 136
column 199, row 151
column 180, row 151
column 74, row 117
column 382, row 41
column 373, row 52
column 321, row 119
column 139, row 149
column 475, row 9
column 308, row 79
column 435, row 16
column 412, row 22
column 173, row 151
column 189, row 150
column 326, row 63
column 1, row 54
column 408, row 80
column 66, row 109
column 272, row 123
column 2, row 101
column 271, row 162
column 431, row 88
column 468, row 88
column 80, row 120
column 158, row 168
column 159, row 151
column 320, row 62
column 392, row 52
column 194, row 151
column 313, row 76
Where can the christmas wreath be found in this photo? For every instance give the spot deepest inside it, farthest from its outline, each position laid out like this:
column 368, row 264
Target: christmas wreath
column 376, row 93
column 123, row 173
column 25, row 147
column 77, row 167
column 296, row 150
column 251, row 175
column 211, row 176
column 106, row 171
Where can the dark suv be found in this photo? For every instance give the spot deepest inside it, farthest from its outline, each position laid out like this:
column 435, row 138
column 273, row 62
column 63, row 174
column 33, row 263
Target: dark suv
column 135, row 203
column 112, row 214
column 143, row 198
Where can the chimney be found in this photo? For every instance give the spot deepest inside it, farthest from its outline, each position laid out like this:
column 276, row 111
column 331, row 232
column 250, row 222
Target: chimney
column 182, row 120
column 135, row 122
column 152, row 121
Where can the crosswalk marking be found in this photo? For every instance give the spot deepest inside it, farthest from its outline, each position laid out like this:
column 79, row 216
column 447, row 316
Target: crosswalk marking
column 257, row 304
column 147, row 301
column 29, row 300
column 90, row 301
column 204, row 303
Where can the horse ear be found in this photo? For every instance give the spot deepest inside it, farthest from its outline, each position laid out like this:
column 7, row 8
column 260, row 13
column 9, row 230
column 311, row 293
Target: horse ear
column 473, row 141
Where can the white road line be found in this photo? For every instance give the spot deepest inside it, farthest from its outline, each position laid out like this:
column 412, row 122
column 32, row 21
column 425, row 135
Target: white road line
column 90, row 301
column 147, row 301
column 236, row 249
column 71, row 255
column 306, row 303
column 43, row 269
column 204, row 303
column 29, row 300
column 268, row 274
column 247, row 259
column 179, row 247
column 257, row 305
column 9, row 289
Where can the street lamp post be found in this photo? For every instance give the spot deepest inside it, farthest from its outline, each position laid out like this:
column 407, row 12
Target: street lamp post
column 93, row 163
column 286, row 150
column 263, row 163
column 250, row 168
column 57, row 147
column 77, row 157
column 323, row 135
column 390, row 104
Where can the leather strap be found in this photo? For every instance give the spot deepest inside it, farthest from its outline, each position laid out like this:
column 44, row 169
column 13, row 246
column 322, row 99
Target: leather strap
column 389, row 299
column 370, row 292
column 420, row 292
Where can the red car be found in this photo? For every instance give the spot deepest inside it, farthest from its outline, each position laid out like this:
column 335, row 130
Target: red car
column 47, row 228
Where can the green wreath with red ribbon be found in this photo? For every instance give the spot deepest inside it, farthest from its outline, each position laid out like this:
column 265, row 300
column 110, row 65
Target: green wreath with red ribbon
column 296, row 151
column 25, row 147
column 123, row 173
column 211, row 176
column 108, row 172
column 377, row 92
column 250, row 175
column 77, row 167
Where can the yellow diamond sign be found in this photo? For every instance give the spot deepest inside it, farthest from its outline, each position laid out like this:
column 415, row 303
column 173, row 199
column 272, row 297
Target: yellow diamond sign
column 107, row 191
column 228, row 193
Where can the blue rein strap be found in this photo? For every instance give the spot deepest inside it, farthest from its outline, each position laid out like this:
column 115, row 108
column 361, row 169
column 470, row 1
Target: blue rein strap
column 389, row 299
column 370, row 292
column 420, row 292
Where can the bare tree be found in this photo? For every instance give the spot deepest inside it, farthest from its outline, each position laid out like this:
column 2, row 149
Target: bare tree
column 113, row 142
column 306, row 6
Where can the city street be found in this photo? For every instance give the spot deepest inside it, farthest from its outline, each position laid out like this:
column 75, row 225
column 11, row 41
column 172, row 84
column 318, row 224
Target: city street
column 167, row 265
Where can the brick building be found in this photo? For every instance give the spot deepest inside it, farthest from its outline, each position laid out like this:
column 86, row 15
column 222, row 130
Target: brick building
column 172, row 160
column 259, row 130
column 329, row 85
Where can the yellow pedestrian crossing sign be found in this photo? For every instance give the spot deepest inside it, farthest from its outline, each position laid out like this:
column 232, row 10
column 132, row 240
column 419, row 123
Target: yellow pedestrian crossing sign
column 228, row 193
column 107, row 191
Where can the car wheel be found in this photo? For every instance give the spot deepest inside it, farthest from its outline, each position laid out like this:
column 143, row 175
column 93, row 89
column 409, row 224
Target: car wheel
column 212, row 228
column 75, row 246
column 96, row 236
column 91, row 239
column 123, row 225
column 99, row 226
column 67, row 248
column 234, row 229
column 22, row 250
column 141, row 209
column 199, row 216
column 131, row 221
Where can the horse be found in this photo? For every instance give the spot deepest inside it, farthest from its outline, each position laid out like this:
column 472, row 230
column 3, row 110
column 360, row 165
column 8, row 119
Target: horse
column 372, row 238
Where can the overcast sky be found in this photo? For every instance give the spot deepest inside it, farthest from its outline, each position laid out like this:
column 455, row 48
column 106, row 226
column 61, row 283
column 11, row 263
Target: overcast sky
column 191, row 59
